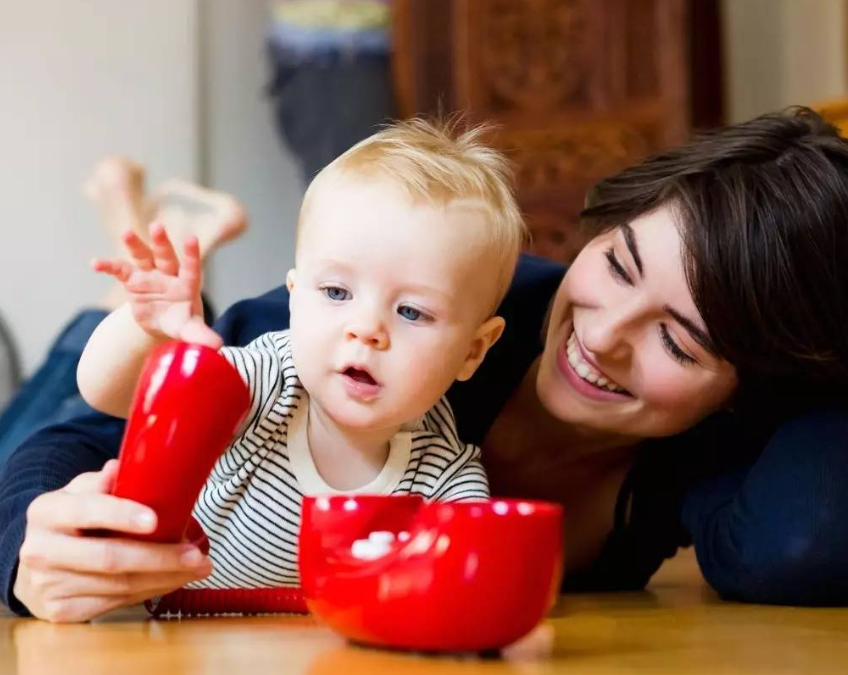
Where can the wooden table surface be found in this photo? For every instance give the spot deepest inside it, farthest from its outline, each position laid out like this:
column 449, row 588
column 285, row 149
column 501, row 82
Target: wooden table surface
column 677, row 626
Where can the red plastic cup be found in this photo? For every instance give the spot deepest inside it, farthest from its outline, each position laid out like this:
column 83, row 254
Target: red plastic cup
column 187, row 407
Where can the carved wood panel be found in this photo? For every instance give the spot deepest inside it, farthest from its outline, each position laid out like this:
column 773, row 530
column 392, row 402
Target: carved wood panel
column 578, row 89
column 531, row 57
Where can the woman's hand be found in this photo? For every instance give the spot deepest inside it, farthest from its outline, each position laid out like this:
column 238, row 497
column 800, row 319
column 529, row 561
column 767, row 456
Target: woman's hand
column 164, row 294
column 66, row 576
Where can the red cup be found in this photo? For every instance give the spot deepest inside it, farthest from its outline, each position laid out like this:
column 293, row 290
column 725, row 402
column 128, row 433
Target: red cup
column 468, row 577
column 187, row 407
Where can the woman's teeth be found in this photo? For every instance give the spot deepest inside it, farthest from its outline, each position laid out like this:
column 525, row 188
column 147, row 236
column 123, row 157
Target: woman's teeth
column 585, row 371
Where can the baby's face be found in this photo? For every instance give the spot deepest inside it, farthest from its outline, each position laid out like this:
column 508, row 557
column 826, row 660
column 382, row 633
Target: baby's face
column 387, row 300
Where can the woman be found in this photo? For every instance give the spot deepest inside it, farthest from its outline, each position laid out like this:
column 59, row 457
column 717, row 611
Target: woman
column 708, row 310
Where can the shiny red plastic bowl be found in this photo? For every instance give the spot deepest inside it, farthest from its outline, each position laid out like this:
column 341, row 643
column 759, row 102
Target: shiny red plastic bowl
column 468, row 577
column 188, row 404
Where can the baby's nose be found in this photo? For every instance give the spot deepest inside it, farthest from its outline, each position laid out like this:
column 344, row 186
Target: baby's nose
column 370, row 333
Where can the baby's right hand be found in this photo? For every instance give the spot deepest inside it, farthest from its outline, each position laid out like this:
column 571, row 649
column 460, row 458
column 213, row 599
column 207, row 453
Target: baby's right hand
column 163, row 294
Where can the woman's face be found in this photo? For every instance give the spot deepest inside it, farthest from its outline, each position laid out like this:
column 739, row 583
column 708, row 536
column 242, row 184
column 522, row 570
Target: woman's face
column 626, row 351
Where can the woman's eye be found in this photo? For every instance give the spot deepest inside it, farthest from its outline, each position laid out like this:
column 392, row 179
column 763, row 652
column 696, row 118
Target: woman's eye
column 671, row 347
column 335, row 293
column 410, row 313
column 616, row 268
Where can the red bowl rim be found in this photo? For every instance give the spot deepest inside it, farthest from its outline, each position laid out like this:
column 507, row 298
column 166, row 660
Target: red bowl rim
column 503, row 506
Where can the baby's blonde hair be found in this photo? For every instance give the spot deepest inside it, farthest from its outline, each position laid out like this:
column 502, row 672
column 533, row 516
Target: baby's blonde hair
column 438, row 162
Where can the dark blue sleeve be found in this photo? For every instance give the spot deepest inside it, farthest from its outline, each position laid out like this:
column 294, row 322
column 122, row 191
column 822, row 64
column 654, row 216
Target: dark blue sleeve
column 50, row 458
column 47, row 461
column 777, row 531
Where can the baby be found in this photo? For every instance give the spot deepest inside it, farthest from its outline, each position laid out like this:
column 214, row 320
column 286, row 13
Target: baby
column 406, row 245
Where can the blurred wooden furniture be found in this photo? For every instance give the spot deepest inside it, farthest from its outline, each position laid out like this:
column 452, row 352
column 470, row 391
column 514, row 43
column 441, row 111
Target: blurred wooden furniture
column 835, row 111
column 578, row 88
column 676, row 626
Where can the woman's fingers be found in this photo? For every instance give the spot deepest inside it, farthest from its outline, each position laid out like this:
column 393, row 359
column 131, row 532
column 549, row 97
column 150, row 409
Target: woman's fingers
column 135, row 585
column 72, row 610
column 164, row 256
column 61, row 600
column 69, row 511
column 77, row 610
column 46, row 550
column 94, row 481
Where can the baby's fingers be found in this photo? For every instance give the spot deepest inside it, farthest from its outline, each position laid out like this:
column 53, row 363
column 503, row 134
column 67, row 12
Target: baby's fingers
column 139, row 251
column 120, row 269
column 164, row 256
column 192, row 268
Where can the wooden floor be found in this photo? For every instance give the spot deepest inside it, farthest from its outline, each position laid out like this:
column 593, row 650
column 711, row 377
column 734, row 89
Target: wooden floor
column 677, row 626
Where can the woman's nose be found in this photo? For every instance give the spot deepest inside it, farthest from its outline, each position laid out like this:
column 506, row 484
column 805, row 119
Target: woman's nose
column 369, row 330
column 607, row 332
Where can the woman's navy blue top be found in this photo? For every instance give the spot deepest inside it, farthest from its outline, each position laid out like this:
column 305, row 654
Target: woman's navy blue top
column 765, row 504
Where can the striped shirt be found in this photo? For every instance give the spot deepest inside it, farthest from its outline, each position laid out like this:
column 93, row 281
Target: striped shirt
column 250, row 505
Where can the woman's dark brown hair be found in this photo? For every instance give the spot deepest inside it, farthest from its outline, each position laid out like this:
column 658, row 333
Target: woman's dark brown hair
column 763, row 213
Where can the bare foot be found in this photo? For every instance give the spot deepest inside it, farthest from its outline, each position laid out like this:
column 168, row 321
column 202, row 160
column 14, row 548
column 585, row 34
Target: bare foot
column 116, row 187
column 188, row 209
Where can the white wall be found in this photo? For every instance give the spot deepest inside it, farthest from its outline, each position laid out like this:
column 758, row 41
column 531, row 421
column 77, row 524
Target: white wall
column 243, row 154
column 818, row 55
column 176, row 84
column 80, row 79
column 783, row 52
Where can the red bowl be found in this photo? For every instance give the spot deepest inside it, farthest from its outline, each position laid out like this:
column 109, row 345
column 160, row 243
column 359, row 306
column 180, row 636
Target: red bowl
column 469, row 577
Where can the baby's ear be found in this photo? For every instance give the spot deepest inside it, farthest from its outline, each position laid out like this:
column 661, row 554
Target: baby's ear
column 290, row 279
column 485, row 336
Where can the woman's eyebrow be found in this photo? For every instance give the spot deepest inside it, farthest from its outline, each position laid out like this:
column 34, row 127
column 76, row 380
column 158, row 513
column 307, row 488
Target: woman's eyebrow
column 630, row 240
column 700, row 336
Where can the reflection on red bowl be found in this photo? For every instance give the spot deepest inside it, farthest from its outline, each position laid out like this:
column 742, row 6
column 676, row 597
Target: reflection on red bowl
column 470, row 577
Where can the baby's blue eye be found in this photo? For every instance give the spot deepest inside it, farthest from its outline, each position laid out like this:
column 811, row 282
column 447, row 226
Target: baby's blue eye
column 409, row 313
column 336, row 293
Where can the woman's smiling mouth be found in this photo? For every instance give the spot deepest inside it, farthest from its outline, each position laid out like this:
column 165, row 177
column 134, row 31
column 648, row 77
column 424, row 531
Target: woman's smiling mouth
column 584, row 377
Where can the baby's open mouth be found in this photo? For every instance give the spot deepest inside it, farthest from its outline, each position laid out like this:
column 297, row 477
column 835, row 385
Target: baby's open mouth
column 359, row 375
